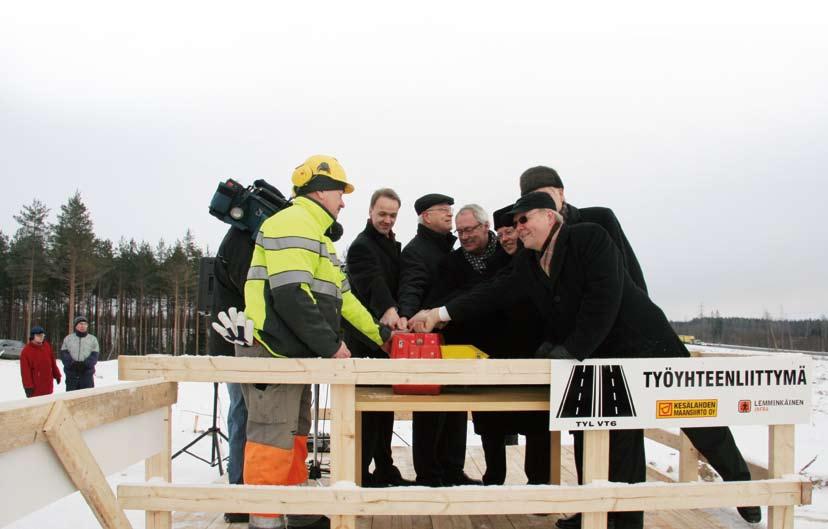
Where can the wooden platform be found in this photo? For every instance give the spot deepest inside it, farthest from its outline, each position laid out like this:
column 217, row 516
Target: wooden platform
column 475, row 465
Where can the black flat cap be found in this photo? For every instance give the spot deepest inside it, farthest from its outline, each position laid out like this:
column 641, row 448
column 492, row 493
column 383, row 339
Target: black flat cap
column 502, row 217
column 537, row 177
column 530, row 201
column 431, row 199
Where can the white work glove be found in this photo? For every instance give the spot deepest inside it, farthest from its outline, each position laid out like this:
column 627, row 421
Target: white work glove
column 234, row 327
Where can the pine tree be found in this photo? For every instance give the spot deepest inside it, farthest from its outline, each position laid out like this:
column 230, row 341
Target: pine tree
column 73, row 240
column 28, row 253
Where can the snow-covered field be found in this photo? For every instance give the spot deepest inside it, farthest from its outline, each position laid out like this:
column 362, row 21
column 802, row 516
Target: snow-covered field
column 192, row 414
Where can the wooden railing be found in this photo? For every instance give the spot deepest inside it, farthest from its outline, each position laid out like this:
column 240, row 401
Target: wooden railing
column 343, row 499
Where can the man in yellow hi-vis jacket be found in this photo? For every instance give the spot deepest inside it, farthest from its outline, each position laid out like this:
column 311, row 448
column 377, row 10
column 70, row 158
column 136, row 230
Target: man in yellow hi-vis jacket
column 296, row 295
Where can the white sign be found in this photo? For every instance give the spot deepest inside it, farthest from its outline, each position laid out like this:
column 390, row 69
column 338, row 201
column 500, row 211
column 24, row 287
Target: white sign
column 633, row 393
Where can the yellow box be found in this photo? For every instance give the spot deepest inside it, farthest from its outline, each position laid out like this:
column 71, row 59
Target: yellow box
column 462, row 352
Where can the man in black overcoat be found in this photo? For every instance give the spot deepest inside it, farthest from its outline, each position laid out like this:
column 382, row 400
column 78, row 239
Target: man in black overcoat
column 715, row 443
column 373, row 266
column 439, row 438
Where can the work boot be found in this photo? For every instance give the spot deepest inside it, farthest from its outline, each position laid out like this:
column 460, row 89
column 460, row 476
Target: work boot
column 750, row 514
column 573, row 522
column 322, row 522
column 462, row 479
column 236, row 517
column 391, row 477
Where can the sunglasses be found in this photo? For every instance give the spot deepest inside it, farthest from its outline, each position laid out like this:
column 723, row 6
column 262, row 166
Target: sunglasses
column 523, row 219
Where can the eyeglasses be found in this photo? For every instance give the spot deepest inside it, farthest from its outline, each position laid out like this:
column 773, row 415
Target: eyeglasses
column 467, row 231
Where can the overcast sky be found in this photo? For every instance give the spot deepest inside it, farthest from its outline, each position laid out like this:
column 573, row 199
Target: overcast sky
column 703, row 125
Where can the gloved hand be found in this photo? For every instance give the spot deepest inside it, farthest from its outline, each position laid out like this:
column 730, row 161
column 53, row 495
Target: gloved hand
column 552, row 351
column 234, row 327
column 29, row 392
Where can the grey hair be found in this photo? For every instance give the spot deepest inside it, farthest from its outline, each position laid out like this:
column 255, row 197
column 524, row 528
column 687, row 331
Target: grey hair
column 479, row 213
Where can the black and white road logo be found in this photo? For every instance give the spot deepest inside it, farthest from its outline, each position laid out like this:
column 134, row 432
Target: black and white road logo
column 592, row 392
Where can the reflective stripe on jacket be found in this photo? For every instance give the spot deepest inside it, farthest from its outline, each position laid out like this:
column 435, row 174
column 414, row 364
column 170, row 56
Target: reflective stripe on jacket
column 296, row 291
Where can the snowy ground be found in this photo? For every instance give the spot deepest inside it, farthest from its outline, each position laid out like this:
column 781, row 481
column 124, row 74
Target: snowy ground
column 192, row 415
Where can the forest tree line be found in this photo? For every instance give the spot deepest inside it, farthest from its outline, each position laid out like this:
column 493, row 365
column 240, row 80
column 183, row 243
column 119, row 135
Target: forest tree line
column 797, row 335
column 139, row 298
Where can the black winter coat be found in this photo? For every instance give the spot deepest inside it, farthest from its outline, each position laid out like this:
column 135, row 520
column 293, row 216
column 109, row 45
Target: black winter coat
column 230, row 270
column 605, row 218
column 373, row 267
column 589, row 303
column 420, row 263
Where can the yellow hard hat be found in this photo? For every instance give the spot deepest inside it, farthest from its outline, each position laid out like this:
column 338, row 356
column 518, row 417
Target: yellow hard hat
column 319, row 173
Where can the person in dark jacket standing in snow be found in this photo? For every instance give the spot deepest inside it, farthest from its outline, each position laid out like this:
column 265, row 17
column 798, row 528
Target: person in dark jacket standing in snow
column 38, row 367
column 79, row 354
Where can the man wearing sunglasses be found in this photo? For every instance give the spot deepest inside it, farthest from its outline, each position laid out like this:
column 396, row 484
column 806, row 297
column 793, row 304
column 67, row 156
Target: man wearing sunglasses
column 575, row 277
column 716, row 444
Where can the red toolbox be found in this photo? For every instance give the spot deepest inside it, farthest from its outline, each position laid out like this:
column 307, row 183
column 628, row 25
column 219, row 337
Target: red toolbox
column 416, row 345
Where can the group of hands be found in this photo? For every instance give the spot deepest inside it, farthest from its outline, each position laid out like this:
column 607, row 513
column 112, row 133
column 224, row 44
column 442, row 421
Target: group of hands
column 236, row 328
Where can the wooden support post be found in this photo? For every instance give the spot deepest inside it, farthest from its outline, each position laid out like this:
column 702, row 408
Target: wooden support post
column 343, row 443
column 555, row 458
column 67, row 441
column 780, row 462
column 358, row 445
column 160, row 466
column 595, row 468
column 688, row 460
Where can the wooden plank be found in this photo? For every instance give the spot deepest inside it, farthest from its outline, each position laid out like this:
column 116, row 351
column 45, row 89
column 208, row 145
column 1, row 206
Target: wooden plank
column 672, row 440
column 116, row 446
column 688, row 460
column 780, row 463
column 23, row 420
column 555, row 458
column 65, row 437
column 598, row 497
column 595, row 468
column 343, row 446
column 330, row 371
column 358, row 451
column 468, row 399
column 160, row 466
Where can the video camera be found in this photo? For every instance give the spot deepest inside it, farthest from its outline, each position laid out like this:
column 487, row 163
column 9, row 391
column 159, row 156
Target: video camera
column 246, row 208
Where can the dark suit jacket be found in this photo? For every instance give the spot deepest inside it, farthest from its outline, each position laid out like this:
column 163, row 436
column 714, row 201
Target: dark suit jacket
column 373, row 267
column 589, row 303
column 420, row 266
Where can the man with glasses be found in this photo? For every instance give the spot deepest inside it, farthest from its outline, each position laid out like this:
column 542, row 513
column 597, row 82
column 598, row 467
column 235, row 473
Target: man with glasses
column 716, row 444
column 439, row 438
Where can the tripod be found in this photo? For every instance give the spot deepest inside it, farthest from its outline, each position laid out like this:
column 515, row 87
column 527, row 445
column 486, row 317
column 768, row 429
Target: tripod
column 214, row 432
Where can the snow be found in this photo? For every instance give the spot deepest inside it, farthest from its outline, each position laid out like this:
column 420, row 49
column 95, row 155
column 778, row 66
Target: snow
column 192, row 415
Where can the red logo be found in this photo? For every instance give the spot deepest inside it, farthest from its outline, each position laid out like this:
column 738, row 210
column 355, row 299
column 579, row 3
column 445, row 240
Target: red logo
column 744, row 406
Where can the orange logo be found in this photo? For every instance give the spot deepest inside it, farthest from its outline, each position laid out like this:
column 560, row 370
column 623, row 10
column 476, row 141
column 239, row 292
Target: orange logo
column 744, row 406
column 665, row 409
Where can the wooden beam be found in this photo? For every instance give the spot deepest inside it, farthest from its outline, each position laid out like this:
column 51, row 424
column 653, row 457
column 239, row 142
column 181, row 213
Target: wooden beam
column 672, row 440
column 595, row 464
column 511, row 398
column 65, row 437
column 555, row 458
column 688, row 460
column 329, row 371
column 520, row 499
column 343, row 446
column 780, row 464
column 160, row 466
column 23, row 421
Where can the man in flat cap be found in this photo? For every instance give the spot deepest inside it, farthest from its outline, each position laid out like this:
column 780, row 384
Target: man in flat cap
column 716, row 444
column 439, row 438
column 575, row 278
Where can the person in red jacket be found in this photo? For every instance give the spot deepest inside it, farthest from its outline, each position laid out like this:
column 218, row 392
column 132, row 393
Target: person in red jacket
column 37, row 365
